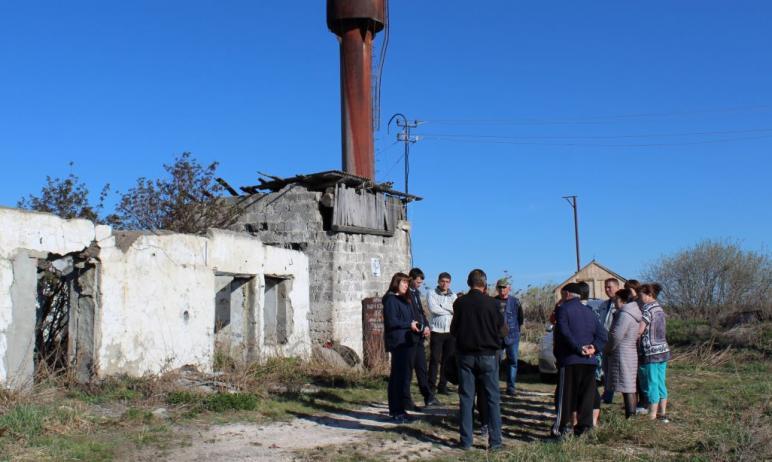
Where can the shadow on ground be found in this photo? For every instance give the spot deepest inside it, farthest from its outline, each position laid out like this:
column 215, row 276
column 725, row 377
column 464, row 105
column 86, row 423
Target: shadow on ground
column 526, row 417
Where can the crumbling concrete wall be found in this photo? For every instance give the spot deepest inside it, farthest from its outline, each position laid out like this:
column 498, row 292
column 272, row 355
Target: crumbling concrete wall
column 341, row 265
column 24, row 237
column 146, row 300
column 158, row 298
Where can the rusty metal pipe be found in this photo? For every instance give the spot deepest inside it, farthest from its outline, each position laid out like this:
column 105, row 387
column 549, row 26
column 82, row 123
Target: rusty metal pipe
column 356, row 102
column 355, row 22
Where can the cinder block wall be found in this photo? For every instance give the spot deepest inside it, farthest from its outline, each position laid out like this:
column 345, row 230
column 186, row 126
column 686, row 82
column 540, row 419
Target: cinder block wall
column 340, row 264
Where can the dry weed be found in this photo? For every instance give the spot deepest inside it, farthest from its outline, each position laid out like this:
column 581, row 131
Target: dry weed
column 704, row 355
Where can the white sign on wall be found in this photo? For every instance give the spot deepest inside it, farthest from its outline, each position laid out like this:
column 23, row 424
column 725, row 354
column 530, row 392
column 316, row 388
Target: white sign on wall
column 375, row 266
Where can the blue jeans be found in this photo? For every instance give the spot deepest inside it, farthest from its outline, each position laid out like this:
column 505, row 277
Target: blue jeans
column 485, row 370
column 512, row 352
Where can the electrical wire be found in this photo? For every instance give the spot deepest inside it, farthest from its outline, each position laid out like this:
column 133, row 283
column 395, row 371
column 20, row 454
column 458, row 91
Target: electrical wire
column 394, row 165
column 383, row 151
column 379, row 72
column 640, row 145
column 596, row 119
column 603, row 137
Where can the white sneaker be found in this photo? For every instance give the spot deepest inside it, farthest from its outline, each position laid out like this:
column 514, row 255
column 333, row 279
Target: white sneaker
column 641, row 410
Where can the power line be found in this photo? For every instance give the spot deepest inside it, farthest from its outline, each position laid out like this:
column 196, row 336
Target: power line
column 637, row 145
column 379, row 69
column 603, row 137
column 595, row 119
column 381, row 152
column 386, row 175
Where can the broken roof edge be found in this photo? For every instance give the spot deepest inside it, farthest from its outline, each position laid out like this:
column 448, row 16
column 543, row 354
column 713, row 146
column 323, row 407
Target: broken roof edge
column 322, row 180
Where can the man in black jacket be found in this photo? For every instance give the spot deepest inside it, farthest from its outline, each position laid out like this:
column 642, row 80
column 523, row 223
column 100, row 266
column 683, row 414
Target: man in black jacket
column 418, row 361
column 478, row 327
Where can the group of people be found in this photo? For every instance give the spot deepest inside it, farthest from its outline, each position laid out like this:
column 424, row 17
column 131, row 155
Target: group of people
column 471, row 333
column 467, row 332
column 625, row 338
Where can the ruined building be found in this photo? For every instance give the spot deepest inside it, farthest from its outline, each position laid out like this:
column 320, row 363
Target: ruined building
column 290, row 275
column 78, row 295
column 354, row 233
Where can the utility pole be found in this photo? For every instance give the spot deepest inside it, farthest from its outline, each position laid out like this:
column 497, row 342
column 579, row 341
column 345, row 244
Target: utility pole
column 406, row 138
column 572, row 202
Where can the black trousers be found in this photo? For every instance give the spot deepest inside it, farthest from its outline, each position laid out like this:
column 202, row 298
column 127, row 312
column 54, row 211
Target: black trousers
column 643, row 400
column 576, row 393
column 629, row 399
column 399, row 378
column 418, row 363
column 441, row 347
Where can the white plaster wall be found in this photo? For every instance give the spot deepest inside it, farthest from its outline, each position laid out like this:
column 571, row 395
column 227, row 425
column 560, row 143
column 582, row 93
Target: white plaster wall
column 6, row 305
column 292, row 264
column 40, row 232
column 235, row 253
column 157, row 306
column 148, row 289
column 43, row 232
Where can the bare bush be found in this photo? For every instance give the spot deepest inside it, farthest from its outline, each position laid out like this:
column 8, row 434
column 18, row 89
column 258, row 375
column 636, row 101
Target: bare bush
column 66, row 197
column 713, row 279
column 537, row 302
column 187, row 201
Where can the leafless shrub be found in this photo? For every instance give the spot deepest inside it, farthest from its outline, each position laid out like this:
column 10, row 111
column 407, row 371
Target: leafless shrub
column 51, row 331
column 186, row 201
column 68, row 198
column 538, row 302
column 713, row 279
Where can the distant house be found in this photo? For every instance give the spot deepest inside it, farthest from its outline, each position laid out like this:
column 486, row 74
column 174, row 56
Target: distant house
column 593, row 274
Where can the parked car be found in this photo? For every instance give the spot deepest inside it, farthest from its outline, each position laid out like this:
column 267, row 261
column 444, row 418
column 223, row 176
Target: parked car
column 547, row 365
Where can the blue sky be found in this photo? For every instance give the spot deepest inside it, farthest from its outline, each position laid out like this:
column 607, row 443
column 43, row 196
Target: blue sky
column 657, row 114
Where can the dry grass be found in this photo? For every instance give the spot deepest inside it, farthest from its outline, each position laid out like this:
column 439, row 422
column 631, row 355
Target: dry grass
column 703, row 355
column 720, row 405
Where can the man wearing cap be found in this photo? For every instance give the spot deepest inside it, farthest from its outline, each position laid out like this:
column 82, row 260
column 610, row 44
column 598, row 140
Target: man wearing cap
column 577, row 336
column 510, row 307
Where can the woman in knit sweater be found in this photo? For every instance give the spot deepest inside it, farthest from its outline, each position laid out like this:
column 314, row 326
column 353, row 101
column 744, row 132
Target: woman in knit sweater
column 654, row 352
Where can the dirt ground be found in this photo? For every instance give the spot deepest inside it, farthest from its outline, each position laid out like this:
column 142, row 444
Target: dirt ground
column 367, row 430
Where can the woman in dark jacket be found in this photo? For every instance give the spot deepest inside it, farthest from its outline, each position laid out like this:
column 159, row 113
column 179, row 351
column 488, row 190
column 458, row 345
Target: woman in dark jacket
column 398, row 323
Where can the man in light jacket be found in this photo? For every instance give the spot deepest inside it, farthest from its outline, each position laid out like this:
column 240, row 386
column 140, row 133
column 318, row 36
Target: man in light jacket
column 510, row 307
column 442, row 343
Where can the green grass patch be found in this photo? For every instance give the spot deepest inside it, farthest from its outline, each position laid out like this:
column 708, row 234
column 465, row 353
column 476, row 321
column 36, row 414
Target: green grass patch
column 682, row 332
column 114, row 389
column 74, row 448
column 25, row 420
column 216, row 402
